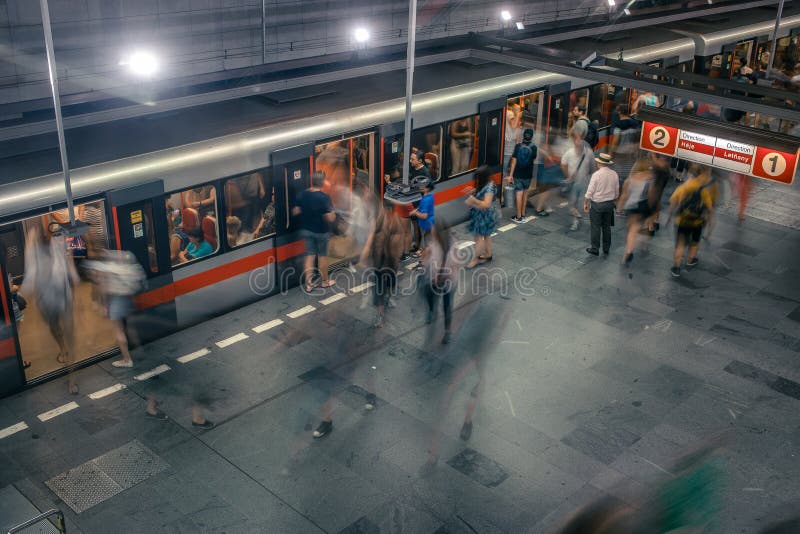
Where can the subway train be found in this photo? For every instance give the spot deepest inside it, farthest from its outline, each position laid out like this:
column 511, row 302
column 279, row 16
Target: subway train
column 236, row 192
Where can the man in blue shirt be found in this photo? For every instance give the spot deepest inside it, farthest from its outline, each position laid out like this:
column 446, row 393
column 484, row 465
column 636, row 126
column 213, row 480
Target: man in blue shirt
column 424, row 212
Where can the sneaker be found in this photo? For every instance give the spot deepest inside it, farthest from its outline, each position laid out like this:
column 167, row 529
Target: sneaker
column 675, row 271
column 446, row 339
column 161, row 416
column 122, row 363
column 593, row 251
column 205, row 425
column 466, row 431
column 405, row 257
column 692, row 262
column 372, row 401
column 323, row 429
column 543, row 213
column 516, row 219
column 574, row 225
column 627, row 258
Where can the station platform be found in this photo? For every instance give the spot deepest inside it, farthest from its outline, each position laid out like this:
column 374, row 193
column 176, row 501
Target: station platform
column 597, row 378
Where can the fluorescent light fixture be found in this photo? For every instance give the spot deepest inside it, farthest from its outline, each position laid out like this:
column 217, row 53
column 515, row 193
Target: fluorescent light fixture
column 505, row 15
column 520, row 26
column 361, row 35
column 626, row 11
column 611, row 3
column 141, row 63
column 710, row 2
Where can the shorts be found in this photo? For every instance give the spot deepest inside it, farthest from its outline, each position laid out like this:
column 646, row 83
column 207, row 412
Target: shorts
column 521, row 184
column 119, row 307
column 316, row 243
column 690, row 233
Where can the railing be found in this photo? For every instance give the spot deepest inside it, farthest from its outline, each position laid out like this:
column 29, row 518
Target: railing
column 59, row 524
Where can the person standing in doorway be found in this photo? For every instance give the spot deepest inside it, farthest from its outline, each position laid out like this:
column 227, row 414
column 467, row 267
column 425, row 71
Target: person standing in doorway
column 520, row 172
column 577, row 164
column 512, row 138
column 316, row 212
column 601, row 194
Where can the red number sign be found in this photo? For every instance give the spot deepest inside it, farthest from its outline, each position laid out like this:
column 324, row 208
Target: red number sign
column 774, row 165
column 659, row 138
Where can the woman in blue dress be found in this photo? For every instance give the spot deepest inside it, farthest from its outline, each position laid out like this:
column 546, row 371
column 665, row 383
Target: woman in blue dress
column 483, row 218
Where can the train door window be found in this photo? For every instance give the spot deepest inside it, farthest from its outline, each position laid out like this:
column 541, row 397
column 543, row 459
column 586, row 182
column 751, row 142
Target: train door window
column 741, row 56
column 56, row 332
column 192, row 223
column 346, row 164
column 597, row 99
column 523, row 112
column 428, row 140
column 578, row 98
column 250, row 205
column 558, row 116
column 462, row 145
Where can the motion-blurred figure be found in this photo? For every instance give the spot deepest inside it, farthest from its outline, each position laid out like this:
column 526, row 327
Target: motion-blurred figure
column 386, row 247
column 692, row 205
column 119, row 277
column 50, row 277
column 316, row 214
column 483, row 217
column 577, row 164
column 636, row 200
column 441, row 266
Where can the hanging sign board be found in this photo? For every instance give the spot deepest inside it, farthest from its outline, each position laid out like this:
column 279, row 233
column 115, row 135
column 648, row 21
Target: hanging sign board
column 762, row 162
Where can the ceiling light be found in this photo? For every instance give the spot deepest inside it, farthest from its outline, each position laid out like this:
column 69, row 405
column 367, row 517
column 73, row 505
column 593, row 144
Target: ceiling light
column 520, row 26
column 361, row 35
column 611, row 3
column 141, row 63
column 505, row 15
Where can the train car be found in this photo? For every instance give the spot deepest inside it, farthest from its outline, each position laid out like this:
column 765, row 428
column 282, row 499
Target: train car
column 236, row 193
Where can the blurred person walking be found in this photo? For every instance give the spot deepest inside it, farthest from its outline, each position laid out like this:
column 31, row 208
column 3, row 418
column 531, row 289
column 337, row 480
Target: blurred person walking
column 440, row 264
column 50, row 278
column 513, row 132
column 599, row 203
column 483, row 217
column 577, row 164
column 692, row 206
column 385, row 246
column 659, row 165
column 635, row 201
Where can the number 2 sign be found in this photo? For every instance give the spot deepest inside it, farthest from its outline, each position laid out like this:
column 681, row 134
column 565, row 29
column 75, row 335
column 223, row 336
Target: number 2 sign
column 659, row 138
column 774, row 165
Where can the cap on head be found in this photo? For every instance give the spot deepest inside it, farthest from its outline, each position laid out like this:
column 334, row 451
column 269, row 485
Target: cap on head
column 527, row 134
column 604, row 159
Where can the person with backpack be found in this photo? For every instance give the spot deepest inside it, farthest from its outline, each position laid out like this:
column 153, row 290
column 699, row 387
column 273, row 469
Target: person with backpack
column 586, row 127
column 636, row 200
column 520, row 172
column 692, row 206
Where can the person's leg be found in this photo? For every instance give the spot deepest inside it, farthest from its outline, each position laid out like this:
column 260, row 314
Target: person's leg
column 487, row 246
column 478, row 251
column 605, row 226
column 595, row 224
column 525, row 195
column 633, row 229
column 430, row 300
column 744, row 194
column 308, row 271
column 680, row 244
column 694, row 244
column 122, row 342
column 447, row 304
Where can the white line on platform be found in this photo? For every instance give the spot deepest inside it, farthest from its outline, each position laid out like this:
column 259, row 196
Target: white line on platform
column 13, row 429
column 655, row 465
column 194, row 355
column 507, row 227
column 465, row 244
column 494, row 234
column 106, row 392
column 333, row 298
column 516, row 342
column 267, row 326
column 510, row 404
column 153, row 372
column 362, row 287
column 241, row 336
column 732, row 413
column 55, row 412
column 752, row 489
column 302, row 311
column 519, row 325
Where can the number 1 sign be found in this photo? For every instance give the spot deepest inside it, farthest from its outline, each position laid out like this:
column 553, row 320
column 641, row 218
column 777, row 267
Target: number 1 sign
column 774, row 165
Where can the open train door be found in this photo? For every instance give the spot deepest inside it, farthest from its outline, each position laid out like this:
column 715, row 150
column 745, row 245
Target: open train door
column 491, row 135
column 139, row 225
column 291, row 172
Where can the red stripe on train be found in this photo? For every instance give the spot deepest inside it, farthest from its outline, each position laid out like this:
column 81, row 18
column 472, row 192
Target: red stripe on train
column 8, row 349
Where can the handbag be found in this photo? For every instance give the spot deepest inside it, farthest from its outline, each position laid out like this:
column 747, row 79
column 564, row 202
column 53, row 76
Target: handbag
column 77, row 246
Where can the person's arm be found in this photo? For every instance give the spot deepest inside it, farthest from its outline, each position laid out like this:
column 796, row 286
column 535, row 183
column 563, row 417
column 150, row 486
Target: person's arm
column 512, row 165
column 329, row 216
column 481, row 204
column 623, row 197
column 590, row 190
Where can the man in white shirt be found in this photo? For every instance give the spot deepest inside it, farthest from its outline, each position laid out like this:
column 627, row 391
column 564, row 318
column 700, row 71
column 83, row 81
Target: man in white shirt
column 577, row 164
column 603, row 190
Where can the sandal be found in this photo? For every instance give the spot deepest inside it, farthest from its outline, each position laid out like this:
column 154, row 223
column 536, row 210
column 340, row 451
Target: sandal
column 73, row 389
column 61, row 358
column 327, row 283
column 311, row 287
column 485, row 258
column 25, row 364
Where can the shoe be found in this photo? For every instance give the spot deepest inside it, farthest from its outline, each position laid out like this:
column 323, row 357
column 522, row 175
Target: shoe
column 543, row 213
column 692, row 262
column 574, row 225
column 446, row 339
column 549, row 210
column 122, row 363
column 627, row 259
column 516, row 219
column 593, row 251
column 485, row 258
column 405, row 257
column 323, row 429
column 372, row 402
column 605, row 251
column 428, row 317
column 563, row 204
column 205, row 425
column 675, row 271
column 379, row 322
column 466, row 431
column 502, row 205
column 657, row 226
column 161, row 416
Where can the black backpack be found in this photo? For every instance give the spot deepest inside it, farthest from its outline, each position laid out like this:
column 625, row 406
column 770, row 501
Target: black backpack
column 692, row 209
column 592, row 137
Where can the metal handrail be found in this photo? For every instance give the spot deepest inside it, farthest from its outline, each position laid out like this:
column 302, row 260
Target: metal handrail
column 59, row 524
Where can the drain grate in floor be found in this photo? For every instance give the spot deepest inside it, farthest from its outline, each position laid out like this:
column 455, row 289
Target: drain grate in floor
column 103, row 477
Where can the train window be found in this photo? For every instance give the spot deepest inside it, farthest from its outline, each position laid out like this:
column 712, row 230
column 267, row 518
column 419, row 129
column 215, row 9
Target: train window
column 192, row 220
column 250, row 204
column 578, row 98
column 427, row 140
column 45, row 344
column 462, row 145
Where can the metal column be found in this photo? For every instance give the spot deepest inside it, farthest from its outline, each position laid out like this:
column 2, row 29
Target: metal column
column 774, row 39
column 263, row 31
column 51, row 65
column 412, row 41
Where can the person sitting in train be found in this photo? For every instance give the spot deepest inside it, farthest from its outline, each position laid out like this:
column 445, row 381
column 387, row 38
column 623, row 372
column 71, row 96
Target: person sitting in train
column 202, row 198
column 266, row 225
column 234, row 229
column 177, row 237
column 197, row 247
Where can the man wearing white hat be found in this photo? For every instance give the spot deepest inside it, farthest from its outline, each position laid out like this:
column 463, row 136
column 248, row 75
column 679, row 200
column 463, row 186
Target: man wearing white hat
column 603, row 190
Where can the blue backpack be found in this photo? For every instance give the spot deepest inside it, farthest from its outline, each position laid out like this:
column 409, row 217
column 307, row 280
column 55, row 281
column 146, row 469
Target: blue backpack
column 526, row 153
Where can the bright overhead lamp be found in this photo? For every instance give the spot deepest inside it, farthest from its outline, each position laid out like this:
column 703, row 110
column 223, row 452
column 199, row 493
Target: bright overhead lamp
column 361, row 35
column 141, row 63
column 505, row 15
column 611, row 3
column 520, row 26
